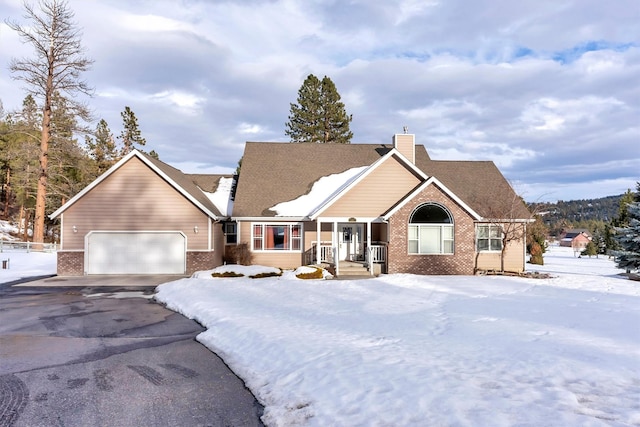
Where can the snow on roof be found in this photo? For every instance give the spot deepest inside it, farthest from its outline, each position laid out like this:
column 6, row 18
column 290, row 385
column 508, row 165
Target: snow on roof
column 323, row 189
column 222, row 196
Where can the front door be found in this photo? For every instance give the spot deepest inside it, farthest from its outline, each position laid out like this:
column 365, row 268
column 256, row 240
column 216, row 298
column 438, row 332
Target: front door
column 350, row 244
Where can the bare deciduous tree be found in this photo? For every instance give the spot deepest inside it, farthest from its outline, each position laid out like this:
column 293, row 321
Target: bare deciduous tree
column 504, row 210
column 56, row 66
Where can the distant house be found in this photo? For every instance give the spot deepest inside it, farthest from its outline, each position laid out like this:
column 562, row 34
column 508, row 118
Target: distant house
column 363, row 208
column 578, row 239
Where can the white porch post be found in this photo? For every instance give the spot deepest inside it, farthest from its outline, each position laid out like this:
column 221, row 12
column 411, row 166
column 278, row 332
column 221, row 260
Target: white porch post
column 334, row 242
column 318, row 242
column 369, row 246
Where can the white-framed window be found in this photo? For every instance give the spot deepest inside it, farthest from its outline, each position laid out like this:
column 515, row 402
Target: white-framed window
column 231, row 233
column 431, row 230
column 276, row 237
column 488, row 238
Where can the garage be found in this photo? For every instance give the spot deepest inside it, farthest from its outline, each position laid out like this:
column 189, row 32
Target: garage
column 131, row 252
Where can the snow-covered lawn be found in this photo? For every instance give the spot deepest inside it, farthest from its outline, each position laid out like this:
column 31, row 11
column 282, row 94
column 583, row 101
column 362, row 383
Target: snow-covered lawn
column 405, row 350
column 23, row 264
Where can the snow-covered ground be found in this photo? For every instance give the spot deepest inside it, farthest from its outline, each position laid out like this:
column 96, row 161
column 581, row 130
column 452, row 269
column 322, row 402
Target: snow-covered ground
column 404, row 350
column 22, row 264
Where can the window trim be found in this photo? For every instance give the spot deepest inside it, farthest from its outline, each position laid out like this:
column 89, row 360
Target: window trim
column 489, row 238
column 226, row 233
column 450, row 226
column 263, row 234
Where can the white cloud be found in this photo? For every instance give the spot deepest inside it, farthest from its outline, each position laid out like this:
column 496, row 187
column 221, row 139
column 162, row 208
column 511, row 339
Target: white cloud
column 552, row 114
column 250, row 128
column 152, row 23
column 533, row 85
column 188, row 103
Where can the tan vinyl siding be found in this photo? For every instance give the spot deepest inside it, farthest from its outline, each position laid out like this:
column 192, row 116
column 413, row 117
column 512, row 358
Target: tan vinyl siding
column 287, row 260
column 311, row 235
column 134, row 198
column 513, row 258
column 281, row 259
column 376, row 193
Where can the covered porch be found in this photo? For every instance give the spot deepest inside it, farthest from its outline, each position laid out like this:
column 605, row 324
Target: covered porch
column 349, row 245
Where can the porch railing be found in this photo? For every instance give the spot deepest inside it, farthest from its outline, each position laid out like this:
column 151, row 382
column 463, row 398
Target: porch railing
column 377, row 254
column 326, row 253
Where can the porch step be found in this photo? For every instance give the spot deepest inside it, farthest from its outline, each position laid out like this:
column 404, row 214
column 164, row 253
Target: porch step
column 352, row 269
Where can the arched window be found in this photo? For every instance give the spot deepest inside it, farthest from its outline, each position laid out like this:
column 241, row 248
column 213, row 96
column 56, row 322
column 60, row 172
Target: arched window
column 431, row 230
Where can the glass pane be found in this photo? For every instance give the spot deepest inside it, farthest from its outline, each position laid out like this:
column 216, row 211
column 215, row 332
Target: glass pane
column 275, row 237
column 430, row 214
column 447, row 232
column 483, row 245
column 413, row 246
column 295, row 243
column 496, row 245
column 257, row 244
column 413, row 232
column 496, row 232
column 257, row 230
column 448, row 246
column 429, row 240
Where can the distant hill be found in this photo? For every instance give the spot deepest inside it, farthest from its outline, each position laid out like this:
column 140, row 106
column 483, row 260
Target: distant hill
column 602, row 209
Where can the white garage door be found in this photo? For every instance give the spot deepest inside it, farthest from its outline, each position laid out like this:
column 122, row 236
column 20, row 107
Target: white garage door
column 136, row 253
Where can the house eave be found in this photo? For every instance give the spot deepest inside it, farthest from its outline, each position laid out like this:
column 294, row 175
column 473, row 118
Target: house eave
column 421, row 187
column 118, row 165
column 393, row 152
column 270, row 218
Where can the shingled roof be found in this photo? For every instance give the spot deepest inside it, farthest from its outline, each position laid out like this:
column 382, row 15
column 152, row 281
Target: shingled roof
column 480, row 184
column 273, row 173
column 193, row 184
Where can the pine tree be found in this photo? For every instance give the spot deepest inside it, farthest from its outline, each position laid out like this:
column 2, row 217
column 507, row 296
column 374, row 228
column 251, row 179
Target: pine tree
column 130, row 134
column 55, row 67
column 102, row 148
column 628, row 237
column 622, row 219
column 590, row 250
column 319, row 116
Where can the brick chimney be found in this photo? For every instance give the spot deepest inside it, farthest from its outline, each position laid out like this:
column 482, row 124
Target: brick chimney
column 405, row 143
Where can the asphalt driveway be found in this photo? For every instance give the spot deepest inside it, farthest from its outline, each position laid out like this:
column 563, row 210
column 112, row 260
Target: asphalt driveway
column 96, row 353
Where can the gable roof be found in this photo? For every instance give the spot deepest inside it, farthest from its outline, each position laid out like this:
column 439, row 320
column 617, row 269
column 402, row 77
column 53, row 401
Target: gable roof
column 480, row 184
column 342, row 191
column 432, row 181
column 174, row 177
column 274, row 173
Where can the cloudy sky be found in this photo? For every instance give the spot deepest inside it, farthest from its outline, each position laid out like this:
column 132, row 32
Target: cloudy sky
column 548, row 89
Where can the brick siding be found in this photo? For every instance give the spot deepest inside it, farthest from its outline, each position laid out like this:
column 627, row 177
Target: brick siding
column 70, row 263
column 197, row 261
column 461, row 262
